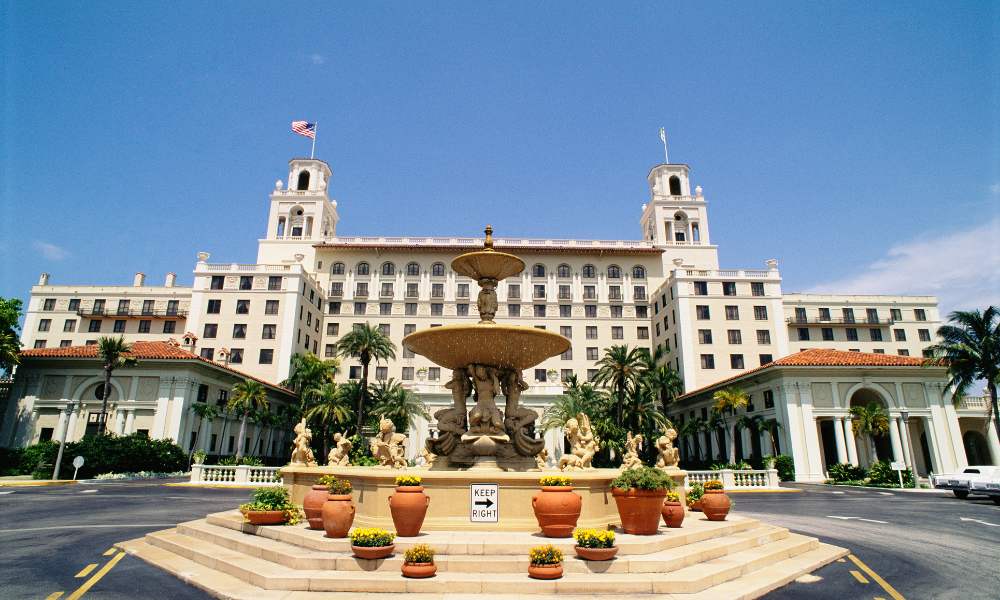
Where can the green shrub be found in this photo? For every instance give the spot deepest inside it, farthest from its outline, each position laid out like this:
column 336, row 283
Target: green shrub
column 228, row 461
column 643, row 478
column 272, row 498
column 785, row 466
column 252, row 461
column 108, row 454
column 10, row 461
column 844, row 472
column 881, row 473
column 695, row 493
column 736, row 466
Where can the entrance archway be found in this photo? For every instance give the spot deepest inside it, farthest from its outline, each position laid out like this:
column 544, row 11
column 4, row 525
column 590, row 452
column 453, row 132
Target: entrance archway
column 977, row 451
column 871, row 448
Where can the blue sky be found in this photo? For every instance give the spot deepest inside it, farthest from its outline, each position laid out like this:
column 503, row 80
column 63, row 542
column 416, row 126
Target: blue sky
column 857, row 144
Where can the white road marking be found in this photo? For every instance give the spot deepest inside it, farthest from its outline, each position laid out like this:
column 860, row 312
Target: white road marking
column 857, row 519
column 887, row 494
column 89, row 492
column 2, row 493
column 836, row 492
column 978, row 521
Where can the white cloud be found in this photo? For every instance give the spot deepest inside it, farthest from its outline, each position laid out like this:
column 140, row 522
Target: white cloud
column 50, row 251
column 961, row 268
column 995, row 189
column 317, row 59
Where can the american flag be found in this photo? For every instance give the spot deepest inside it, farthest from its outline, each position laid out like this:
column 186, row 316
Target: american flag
column 304, row 128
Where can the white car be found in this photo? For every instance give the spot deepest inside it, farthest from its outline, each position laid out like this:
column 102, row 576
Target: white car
column 961, row 483
column 989, row 485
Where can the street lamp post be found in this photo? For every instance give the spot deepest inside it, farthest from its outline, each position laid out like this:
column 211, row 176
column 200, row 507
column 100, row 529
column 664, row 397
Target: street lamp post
column 907, row 454
column 62, row 441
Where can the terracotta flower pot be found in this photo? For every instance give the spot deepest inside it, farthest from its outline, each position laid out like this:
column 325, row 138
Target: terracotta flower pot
column 639, row 509
column 673, row 514
column 545, row 571
column 419, row 570
column 696, row 505
column 715, row 504
column 408, row 507
column 557, row 509
column 312, row 505
column 596, row 553
column 266, row 517
column 338, row 515
column 373, row 552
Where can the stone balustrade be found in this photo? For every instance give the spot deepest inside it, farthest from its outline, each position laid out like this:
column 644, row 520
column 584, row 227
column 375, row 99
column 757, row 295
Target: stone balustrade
column 738, row 479
column 236, row 475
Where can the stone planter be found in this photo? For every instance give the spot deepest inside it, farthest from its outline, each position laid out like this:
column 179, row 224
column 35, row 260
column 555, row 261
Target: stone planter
column 266, row 517
column 557, row 510
column 715, row 504
column 673, row 514
column 639, row 510
column 545, row 571
column 419, row 570
column 338, row 515
column 373, row 552
column 312, row 505
column 596, row 553
column 408, row 507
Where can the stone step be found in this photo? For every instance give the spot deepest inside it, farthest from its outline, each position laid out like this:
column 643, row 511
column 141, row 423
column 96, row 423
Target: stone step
column 296, row 557
column 696, row 529
column 272, row 576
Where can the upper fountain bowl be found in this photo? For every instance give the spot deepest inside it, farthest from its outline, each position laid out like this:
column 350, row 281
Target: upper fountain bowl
column 487, row 264
column 503, row 346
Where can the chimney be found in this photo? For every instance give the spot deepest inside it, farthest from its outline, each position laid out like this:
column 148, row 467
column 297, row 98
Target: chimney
column 171, row 280
column 140, row 278
column 43, row 279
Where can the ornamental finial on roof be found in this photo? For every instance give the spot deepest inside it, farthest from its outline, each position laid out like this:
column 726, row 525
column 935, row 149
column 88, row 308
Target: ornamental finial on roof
column 488, row 244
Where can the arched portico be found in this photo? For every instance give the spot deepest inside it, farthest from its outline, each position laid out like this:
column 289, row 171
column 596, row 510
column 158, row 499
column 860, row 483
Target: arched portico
column 871, row 448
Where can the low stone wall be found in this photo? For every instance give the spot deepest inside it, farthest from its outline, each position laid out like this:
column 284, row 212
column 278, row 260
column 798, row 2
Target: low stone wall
column 734, row 480
column 236, row 475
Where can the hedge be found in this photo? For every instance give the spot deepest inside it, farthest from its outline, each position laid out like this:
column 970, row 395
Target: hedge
column 101, row 454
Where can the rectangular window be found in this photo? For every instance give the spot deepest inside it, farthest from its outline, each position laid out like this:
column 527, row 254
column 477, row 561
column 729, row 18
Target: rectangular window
column 642, row 333
column 568, row 354
column 463, row 290
column 384, row 329
column 707, row 361
column 44, row 324
column 848, row 314
column 437, row 290
column 330, row 351
column 513, row 310
column 903, row 352
column 385, row 308
column 895, row 314
column 566, row 331
column 274, row 282
column 590, row 311
column 564, row 292
column 407, row 374
column 764, row 359
column 147, row 306
column 736, row 361
column 705, row 336
column 700, row 288
column 331, row 328
column 638, row 293
column 236, row 356
column 246, row 282
column 760, row 313
column 172, row 308
column 434, row 374
column 361, row 289
column 99, row 306
column 871, row 314
column 616, row 311
column 210, row 331
column 591, row 374
column 591, row 353
column 239, row 331
column 540, row 375
column 899, row 335
column 208, row 353
column 728, row 288
column 878, row 351
column 39, row 343
column 565, row 311
column 411, row 308
column 875, row 334
column 144, row 325
column 539, row 291
column 617, row 332
column 824, row 314
column 266, row 356
column 513, row 291
column 642, row 312
column 702, row 313
column 919, row 314
column 437, row 310
column 763, row 336
column 49, row 304
column 412, row 290
column 852, row 334
column 803, row 334
column 756, row 288
column 565, row 374
column 123, row 307
column 924, row 335
column 614, row 292
column 337, row 289
column 657, row 329
column 539, row 310
column 242, row 307
column 69, row 325
column 95, row 326
column 827, row 334
column 119, row 326
column 732, row 313
column 381, row 373
column 218, row 281
column 591, row 332
column 74, row 304
column 360, row 308
column 354, row 372
column 589, row 292
column 768, row 399
column 462, row 310
column 734, row 336
column 386, row 290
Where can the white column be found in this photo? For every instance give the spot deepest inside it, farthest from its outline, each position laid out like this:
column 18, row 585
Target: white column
column 838, row 434
column 119, row 420
column 897, row 448
column 179, row 402
column 73, row 418
column 130, row 422
column 162, row 407
column 991, row 439
column 904, row 431
column 747, row 444
column 932, row 447
column 852, row 444
column 810, row 428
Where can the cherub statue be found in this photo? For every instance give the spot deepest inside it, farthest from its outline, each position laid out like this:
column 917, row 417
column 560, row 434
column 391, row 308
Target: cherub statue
column 387, row 446
column 519, row 420
column 631, row 459
column 668, row 455
column 340, row 456
column 429, row 458
column 589, row 443
column 485, row 417
column 302, row 454
column 583, row 444
column 541, row 459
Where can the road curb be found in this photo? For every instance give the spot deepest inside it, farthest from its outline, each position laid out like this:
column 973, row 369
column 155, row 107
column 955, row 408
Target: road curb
column 38, row 483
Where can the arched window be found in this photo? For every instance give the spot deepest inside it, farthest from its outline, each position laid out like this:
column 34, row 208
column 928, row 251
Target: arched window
column 638, row 272
column 437, row 269
column 388, row 268
column 362, row 269
column 303, row 183
column 675, row 185
column 564, row 270
column 538, row 270
column 413, row 269
column 588, row 271
column 614, row 272
column 337, row 268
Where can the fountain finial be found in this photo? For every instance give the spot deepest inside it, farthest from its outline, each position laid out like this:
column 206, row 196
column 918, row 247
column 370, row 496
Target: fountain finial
column 488, row 244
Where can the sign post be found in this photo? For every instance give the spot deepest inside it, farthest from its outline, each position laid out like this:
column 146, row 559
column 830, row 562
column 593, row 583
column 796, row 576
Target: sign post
column 484, row 503
column 77, row 463
column 899, row 466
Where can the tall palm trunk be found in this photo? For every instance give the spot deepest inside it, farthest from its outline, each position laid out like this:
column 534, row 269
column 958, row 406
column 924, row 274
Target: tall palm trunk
column 239, row 440
column 102, row 426
column 362, row 397
column 256, row 443
column 992, row 387
column 222, row 435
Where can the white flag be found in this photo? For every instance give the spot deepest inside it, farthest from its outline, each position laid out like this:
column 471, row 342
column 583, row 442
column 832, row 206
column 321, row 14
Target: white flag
column 663, row 135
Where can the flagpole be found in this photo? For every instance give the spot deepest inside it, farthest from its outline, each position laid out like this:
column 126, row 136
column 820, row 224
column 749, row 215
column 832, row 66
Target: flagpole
column 312, row 153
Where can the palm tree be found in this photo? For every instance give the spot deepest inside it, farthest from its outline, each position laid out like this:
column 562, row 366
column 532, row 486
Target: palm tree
column 328, row 407
column 713, row 425
column 620, row 369
column 248, row 395
column 112, row 352
column 394, row 402
column 753, row 425
column 260, row 420
column 688, row 432
column 10, row 351
column 870, row 421
column 206, row 412
column 729, row 400
column 308, row 372
column 665, row 382
column 772, row 426
column 576, row 399
column 971, row 349
column 366, row 343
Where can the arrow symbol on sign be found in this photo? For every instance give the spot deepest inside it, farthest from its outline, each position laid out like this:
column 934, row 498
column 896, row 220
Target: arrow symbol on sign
column 856, row 519
column 487, row 503
column 978, row 521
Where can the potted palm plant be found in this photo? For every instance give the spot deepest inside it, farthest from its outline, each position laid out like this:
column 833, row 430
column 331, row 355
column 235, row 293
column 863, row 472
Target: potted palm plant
column 372, row 543
column 545, row 562
column 418, row 562
column 673, row 510
column 595, row 544
column 556, row 506
column 408, row 505
column 338, row 510
column 715, row 503
column 639, row 494
column 270, row 506
column 199, row 457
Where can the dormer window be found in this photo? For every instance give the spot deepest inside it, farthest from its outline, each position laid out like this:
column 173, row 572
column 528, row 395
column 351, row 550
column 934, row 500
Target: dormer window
column 675, row 185
column 303, row 182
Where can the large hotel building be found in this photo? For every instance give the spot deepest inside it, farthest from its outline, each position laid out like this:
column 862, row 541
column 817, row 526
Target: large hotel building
column 805, row 358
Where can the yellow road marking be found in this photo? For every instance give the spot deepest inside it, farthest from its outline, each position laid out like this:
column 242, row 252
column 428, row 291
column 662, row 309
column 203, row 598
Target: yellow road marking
column 53, row 596
column 86, row 570
column 110, row 551
column 859, row 576
column 80, row 591
column 878, row 579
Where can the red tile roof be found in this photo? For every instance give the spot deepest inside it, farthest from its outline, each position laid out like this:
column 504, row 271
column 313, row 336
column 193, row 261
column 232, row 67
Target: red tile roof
column 142, row 351
column 818, row 357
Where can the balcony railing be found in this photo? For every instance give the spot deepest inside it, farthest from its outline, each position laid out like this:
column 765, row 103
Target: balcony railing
column 973, row 403
column 136, row 314
column 857, row 321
